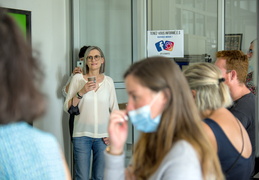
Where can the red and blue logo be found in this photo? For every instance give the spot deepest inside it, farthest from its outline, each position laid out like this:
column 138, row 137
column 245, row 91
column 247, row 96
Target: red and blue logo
column 164, row 45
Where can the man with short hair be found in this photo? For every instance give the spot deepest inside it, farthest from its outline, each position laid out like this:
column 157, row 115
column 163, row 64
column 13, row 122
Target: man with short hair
column 234, row 67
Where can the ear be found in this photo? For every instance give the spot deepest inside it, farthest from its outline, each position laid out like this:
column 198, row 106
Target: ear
column 233, row 75
column 102, row 60
column 193, row 93
column 166, row 96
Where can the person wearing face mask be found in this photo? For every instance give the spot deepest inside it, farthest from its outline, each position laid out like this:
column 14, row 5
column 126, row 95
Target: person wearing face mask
column 172, row 143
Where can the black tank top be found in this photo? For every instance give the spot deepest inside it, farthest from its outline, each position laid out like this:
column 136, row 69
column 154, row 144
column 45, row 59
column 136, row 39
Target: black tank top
column 228, row 154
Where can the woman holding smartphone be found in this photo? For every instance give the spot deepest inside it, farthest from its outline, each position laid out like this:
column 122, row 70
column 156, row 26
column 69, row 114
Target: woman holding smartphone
column 95, row 100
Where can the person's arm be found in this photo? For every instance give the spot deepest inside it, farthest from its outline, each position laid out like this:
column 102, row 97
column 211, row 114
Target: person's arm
column 114, row 157
column 113, row 104
column 76, row 91
column 65, row 88
column 180, row 163
column 114, row 167
column 89, row 86
column 113, row 98
column 72, row 93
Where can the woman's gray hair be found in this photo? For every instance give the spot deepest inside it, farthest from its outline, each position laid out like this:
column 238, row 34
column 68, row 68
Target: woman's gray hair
column 86, row 68
column 211, row 91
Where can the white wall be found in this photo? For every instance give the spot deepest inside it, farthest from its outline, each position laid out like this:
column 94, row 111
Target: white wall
column 51, row 36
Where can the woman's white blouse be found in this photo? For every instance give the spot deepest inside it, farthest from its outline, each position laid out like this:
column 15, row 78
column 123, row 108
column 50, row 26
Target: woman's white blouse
column 94, row 107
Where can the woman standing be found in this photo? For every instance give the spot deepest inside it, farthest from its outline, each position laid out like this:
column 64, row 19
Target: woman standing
column 173, row 144
column 95, row 98
column 226, row 132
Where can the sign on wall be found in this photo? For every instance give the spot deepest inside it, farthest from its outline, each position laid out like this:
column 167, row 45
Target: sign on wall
column 168, row 43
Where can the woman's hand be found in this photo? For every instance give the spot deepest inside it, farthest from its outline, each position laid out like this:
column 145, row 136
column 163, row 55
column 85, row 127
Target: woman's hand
column 106, row 141
column 89, row 86
column 77, row 70
column 118, row 131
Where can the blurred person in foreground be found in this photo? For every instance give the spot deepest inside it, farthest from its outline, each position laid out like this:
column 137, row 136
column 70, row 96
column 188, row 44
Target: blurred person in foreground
column 173, row 143
column 226, row 132
column 25, row 152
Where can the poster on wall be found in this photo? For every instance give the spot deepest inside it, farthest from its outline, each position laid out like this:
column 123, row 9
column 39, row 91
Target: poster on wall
column 23, row 20
column 168, row 43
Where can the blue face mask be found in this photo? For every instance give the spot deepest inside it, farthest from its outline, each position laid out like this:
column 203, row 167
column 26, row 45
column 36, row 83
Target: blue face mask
column 141, row 119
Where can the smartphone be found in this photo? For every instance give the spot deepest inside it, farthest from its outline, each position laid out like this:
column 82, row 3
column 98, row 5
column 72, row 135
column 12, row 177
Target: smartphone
column 80, row 64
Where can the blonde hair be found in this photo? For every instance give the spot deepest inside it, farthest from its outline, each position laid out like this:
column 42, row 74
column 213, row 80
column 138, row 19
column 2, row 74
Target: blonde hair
column 180, row 120
column 211, row 92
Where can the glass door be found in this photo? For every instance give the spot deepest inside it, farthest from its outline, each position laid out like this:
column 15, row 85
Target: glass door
column 199, row 21
column 241, row 32
column 119, row 28
column 108, row 25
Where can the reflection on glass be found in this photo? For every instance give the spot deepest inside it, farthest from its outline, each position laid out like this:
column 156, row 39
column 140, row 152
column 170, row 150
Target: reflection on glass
column 187, row 22
column 240, row 18
column 198, row 19
column 199, row 24
column 178, row 1
column 107, row 24
column 188, row 3
column 200, row 4
column 212, row 6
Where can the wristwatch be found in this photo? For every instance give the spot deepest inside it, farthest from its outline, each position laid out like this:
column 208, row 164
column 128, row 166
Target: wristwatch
column 78, row 95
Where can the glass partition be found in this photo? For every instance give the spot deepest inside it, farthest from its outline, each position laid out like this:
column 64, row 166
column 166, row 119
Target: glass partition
column 241, row 28
column 241, row 18
column 108, row 24
column 119, row 28
column 197, row 18
column 241, row 24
